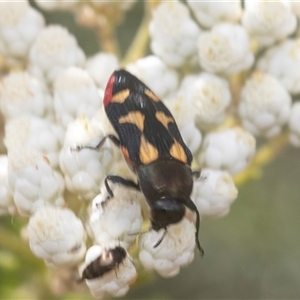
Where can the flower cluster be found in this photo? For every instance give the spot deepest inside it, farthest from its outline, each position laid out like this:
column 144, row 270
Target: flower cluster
column 228, row 74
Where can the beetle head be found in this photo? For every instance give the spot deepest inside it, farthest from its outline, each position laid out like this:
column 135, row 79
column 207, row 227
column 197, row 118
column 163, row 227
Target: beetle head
column 166, row 211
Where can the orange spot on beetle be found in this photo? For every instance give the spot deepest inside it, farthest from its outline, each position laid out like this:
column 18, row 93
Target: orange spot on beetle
column 134, row 117
column 148, row 153
column 121, row 96
column 162, row 118
column 151, row 95
column 178, row 152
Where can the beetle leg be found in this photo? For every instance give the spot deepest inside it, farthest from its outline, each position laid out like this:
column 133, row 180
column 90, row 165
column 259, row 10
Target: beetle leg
column 196, row 174
column 113, row 138
column 119, row 180
column 199, row 175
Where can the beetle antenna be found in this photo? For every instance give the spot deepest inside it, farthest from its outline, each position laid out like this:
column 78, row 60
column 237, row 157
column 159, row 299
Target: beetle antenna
column 161, row 239
column 191, row 205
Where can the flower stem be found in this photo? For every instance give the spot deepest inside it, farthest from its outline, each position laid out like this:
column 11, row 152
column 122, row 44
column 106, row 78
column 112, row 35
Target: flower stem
column 140, row 42
column 14, row 244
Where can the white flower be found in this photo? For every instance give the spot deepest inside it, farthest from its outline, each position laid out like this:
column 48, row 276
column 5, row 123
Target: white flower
column 294, row 125
column 225, row 49
column 36, row 133
column 230, row 150
column 115, row 282
column 6, row 198
column 283, row 62
column 57, row 4
column 156, row 74
column 75, row 94
column 173, row 33
column 213, row 193
column 32, row 180
column 209, row 96
column 184, row 115
column 101, row 66
column 23, row 95
column 57, row 236
column 265, row 105
column 84, row 170
column 209, row 14
column 175, row 250
column 268, row 21
column 118, row 218
column 19, row 26
column 54, row 50
column 295, row 6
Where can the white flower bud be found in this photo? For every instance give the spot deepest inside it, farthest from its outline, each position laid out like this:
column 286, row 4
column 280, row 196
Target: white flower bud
column 84, row 169
column 295, row 6
column 294, row 125
column 209, row 96
column 19, row 26
column 265, row 105
column 225, row 49
column 213, row 193
column 175, row 250
column 156, row 74
column 230, row 150
column 118, row 218
column 32, row 180
column 38, row 134
column 283, row 62
column 75, row 94
column 6, row 198
column 173, row 33
column 268, row 21
column 57, row 236
column 54, row 50
column 208, row 14
column 101, row 66
column 115, row 282
column 23, row 95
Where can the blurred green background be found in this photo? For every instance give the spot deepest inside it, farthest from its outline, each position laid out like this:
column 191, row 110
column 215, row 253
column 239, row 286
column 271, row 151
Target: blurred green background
column 253, row 252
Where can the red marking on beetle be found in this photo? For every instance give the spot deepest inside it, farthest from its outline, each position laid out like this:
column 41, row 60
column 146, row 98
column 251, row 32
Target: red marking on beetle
column 125, row 153
column 109, row 90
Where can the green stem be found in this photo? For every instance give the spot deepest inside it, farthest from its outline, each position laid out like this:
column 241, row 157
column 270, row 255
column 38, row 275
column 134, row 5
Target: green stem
column 16, row 245
column 139, row 45
column 140, row 42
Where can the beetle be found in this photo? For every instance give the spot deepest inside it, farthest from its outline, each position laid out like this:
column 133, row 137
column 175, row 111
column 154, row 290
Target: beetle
column 153, row 148
column 108, row 260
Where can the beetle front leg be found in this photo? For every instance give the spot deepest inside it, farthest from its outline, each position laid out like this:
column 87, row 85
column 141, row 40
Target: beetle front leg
column 113, row 138
column 120, row 180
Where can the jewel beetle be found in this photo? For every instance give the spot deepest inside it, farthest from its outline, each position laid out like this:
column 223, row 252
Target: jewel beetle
column 153, row 148
column 108, row 260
